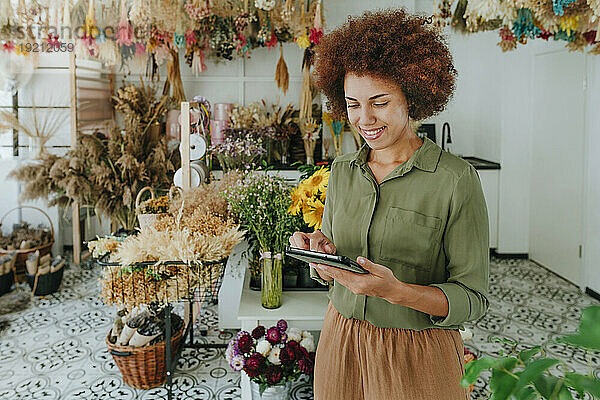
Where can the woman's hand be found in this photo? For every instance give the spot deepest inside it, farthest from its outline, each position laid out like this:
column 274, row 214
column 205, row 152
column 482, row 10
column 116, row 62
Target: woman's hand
column 380, row 282
column 315, row 241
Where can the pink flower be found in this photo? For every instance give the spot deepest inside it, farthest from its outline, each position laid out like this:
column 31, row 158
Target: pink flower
column 282, row 325
column 273, row 335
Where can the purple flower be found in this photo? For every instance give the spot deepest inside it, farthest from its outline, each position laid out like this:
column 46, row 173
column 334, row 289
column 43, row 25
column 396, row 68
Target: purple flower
column 242, row 333
column 282, row 325
column 273, row 335
column 237, row 363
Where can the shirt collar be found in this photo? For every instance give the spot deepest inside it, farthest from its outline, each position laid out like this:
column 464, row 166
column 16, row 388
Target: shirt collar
column 425, row 158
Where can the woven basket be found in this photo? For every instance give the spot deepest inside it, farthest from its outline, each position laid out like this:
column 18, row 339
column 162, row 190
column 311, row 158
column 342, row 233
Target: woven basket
column 144, row 367
column 23, row 254
column 146, row 220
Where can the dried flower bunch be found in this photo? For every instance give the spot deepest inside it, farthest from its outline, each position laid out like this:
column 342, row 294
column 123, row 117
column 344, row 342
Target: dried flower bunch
column 25, row 236
column 41, row 127
column 198, row 229
column 272, row 356
column 140, row 105
column 105, row 171
column 572, row 21
column 141, row 326
column 104, row 245
column 159, row 205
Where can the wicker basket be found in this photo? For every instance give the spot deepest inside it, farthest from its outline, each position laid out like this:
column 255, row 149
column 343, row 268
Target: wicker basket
column 146, row 220
column 144, row 367
column 23, row 254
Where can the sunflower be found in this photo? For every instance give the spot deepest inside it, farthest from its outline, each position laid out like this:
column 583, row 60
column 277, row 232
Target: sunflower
column 314, row 216
column 296, row 206
column 306, row 190
column 319, row 180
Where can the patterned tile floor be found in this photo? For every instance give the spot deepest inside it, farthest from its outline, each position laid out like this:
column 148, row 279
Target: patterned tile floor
column 54, row 349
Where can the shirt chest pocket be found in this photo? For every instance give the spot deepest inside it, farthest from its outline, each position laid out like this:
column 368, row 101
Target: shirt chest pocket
column 410, row 238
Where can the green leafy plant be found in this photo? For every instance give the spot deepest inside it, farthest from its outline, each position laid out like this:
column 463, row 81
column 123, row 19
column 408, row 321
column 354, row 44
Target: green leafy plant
column 525, row 376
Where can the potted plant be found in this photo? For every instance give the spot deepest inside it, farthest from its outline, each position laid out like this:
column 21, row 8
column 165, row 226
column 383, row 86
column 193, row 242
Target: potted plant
column 273, row 358
column 524, row 374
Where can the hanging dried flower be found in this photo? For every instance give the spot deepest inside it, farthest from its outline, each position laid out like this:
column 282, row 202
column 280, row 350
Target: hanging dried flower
column 266, row 5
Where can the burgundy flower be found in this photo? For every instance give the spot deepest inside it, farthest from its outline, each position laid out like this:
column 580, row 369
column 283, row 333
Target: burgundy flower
column 274, row 374
column 245, row 344
column 273, row 335
column 255, row 365
column 306, row 366
column 287, row 355
column 258, row 332
column 282, row 325
column 296, row 347
column 305, row 353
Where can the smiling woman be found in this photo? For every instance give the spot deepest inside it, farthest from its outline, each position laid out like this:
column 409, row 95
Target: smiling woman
column 411, row 214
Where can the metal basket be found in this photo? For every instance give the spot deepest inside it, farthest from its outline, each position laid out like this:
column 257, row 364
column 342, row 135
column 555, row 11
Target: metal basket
column 165, row 282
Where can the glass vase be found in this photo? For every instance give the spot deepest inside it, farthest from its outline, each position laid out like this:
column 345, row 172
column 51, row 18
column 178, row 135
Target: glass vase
column 271, row 280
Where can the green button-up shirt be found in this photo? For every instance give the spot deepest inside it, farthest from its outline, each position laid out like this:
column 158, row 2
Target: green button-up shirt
column 426, row 221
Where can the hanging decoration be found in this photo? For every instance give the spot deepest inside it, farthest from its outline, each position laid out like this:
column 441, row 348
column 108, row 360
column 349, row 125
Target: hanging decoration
column 576, row 22
column 151, row 31
column 282, row 77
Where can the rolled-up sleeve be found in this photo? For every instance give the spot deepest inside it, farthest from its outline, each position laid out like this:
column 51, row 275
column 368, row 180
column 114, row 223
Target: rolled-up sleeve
column 326, row 223
column 466, row 245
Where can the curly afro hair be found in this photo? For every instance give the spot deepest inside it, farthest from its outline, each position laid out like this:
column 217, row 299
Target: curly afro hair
column 390, row 45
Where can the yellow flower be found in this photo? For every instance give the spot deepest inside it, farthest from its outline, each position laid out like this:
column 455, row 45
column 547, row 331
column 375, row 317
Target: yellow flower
column 314, row 216
column 306, row 190
column 319, row 180
column 303, row 41
column 296, row 206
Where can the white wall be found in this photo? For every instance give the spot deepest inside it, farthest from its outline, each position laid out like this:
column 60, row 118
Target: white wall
column 591, row 221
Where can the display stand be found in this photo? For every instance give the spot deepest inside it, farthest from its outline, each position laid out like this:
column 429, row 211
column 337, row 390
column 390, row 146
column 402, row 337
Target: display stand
column 204, row 294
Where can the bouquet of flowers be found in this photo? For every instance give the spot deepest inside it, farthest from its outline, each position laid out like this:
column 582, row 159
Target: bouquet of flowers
column 272, row 356
column 308, row 199
column 261, row 201
column 239, row 151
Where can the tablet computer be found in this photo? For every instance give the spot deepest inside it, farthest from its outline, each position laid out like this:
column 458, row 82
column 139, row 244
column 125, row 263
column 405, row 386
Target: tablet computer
column 317, row 257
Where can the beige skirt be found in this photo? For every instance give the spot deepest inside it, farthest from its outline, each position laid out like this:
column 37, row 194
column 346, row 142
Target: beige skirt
column 356, row 360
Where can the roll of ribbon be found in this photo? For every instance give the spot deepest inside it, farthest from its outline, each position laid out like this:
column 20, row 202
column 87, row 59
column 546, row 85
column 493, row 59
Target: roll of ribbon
column 194, row 178
column 197, row 146
column 202, row 169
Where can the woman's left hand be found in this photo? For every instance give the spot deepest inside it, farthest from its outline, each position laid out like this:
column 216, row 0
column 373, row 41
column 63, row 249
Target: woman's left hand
column 380, row 282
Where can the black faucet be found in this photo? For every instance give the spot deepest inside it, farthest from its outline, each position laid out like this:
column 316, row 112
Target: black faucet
column 444, row 138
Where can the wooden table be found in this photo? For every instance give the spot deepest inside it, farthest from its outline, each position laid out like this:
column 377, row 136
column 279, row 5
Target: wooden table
column 301, row 309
